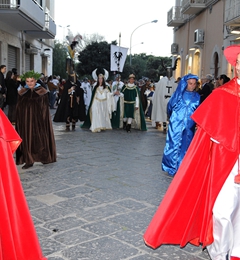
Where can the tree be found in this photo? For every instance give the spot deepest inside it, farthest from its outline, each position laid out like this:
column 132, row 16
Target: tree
column 94, row 56
column 59, row 59
column 154, row 67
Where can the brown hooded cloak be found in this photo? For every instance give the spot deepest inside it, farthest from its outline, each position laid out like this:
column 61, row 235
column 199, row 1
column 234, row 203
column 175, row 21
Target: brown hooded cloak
column 34, row 125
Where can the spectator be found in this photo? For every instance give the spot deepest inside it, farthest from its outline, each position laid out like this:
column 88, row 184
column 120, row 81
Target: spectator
column 206, row 88
column 223, row 79
column 53, row 87
column 11, row 97
column 3, row 70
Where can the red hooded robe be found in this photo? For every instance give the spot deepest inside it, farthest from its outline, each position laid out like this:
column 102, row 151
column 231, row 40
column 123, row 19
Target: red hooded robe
column 18, row 238
column 185, row 214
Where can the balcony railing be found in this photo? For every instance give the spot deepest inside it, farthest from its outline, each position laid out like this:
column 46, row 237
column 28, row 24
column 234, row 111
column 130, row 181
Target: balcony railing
column 232, row 13
column 175, row 17
column 28, row 16
column 192, row 6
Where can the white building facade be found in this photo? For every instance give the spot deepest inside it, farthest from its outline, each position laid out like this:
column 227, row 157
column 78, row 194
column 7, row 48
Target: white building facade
column 202, row 30
column 27, row 32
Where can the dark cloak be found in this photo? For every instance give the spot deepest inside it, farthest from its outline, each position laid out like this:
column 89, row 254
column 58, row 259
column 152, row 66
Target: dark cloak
column 78, row 110
column 34, row 125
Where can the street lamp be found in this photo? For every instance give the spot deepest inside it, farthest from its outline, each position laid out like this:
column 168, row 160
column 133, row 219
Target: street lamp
column 64, row 30
column 154, row 21
column 137, row 44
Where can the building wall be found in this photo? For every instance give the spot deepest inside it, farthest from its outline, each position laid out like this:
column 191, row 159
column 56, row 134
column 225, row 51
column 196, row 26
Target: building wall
column 18, row 39
column 201, row 60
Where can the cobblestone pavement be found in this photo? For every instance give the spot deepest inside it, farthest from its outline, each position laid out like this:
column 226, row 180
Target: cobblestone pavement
column 97, row 200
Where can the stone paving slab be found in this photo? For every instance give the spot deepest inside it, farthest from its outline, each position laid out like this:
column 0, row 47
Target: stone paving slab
column 97, row 200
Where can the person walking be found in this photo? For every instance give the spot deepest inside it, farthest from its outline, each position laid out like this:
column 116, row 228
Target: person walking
column 201, row 205
column 133, row 112
column 100, row 108
column 19, row 239
column 181, row 128
column 34, row 124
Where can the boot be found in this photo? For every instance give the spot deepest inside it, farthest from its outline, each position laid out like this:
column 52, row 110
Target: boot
column 68, row 124
column 158, row 125
column 164, row 127
column 124, row 125
column 73, row 125
column 128, row 128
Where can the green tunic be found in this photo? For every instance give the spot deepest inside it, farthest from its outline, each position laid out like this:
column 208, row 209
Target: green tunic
column 130, row 95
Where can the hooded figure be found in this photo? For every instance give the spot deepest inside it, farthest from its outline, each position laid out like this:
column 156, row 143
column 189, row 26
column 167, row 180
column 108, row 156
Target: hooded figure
column 181, row 127
column 201, row 205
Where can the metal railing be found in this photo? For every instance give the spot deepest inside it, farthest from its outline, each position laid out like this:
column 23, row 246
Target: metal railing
column 232, row 10
column 188, row 2
column 175, row 14
column 13, row 4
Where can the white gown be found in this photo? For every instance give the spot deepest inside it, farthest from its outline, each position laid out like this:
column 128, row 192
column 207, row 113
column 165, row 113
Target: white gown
column 117, row 86
column 164, row 87
column 101, row 110
column 226, row 220
column 87, row 94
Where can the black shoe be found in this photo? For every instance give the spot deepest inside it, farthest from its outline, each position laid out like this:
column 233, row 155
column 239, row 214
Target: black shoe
column 124, row 125
column 26, row 166
column 128, row 128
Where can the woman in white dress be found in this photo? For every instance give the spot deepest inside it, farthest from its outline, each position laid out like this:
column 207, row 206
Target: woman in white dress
column 101, row 106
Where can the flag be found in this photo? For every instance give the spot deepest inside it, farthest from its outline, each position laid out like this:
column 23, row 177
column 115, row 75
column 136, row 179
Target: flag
column 118, row 56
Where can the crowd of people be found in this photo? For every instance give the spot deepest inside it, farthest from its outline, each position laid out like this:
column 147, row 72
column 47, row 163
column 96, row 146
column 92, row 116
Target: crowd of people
column 184, row 109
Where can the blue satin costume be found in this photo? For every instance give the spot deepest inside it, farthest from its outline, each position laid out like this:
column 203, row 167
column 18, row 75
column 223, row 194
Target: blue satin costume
column 181, row 127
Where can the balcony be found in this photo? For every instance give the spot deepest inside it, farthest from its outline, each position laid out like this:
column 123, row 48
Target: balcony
column 232, row 13
column 175, row 18
column 192, row 7
column 27, row 16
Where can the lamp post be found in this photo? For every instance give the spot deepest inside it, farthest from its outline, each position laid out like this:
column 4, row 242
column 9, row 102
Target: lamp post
column 154, row 21
column 64, row 30
column 137, row 44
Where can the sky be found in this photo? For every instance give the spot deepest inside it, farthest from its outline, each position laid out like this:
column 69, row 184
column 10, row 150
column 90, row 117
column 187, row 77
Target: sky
column 130, row 18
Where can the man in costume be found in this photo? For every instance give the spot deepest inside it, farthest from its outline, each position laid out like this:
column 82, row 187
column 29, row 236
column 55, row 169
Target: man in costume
column 133, row 112
column 181, row 129
column 18, row 238
column 117, row 86
column 201, row 205
column 163, row 91
column 34, row 124
column 71, row 107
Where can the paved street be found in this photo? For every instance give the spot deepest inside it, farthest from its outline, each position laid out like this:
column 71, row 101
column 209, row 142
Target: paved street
column 96, row 201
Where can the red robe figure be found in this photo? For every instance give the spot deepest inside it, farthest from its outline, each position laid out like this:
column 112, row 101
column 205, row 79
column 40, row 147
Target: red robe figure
column 18, row 238
column 202, row 204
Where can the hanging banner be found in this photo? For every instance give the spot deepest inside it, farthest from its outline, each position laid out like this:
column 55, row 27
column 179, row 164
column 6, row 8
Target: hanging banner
column 118, row 57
